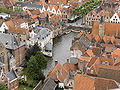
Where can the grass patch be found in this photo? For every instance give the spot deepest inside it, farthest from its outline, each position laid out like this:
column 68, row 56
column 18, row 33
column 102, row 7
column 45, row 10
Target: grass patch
column 21, row 87
column 29, row 84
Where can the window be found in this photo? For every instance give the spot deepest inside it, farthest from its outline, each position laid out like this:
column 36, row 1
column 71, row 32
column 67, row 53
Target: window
column 2, row 58
column 20, row 39
column 91, row 71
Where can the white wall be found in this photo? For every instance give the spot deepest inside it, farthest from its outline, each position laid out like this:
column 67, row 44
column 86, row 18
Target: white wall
column 76, row 53
column 3, row 27
column 115, row 19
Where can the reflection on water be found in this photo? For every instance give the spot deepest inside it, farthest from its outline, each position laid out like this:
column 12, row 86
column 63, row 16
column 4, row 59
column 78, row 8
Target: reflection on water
column 61, row 50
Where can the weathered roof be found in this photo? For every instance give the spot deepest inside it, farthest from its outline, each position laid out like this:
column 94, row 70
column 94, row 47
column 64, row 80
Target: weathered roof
column 42, row 34
column 84, row 41
column 11, row 75
column 90, row 83
column 49, row 85
column 9, row 41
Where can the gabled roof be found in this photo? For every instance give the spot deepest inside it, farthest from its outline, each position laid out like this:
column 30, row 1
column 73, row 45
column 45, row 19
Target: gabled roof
column 75, row 46
column 116, row 53
column 10, row 23
column 106, row 38
column 112, row 29
column 81, row 58
column 49, row 85
column 60, row 72
column 18, row 30
column 90, row 53
column 9, row 41
column 95, row 29
column 90, row 83
column 102, row 41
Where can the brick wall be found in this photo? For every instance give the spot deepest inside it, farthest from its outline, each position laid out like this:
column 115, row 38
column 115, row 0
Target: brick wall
column 19, row 55
column 14, row 85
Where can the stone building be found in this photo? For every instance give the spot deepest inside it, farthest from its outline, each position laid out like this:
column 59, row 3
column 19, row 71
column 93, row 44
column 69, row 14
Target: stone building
column 16, row 50
column 9, row 78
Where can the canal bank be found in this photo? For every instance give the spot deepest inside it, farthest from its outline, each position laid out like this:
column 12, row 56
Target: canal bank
column 61, row 50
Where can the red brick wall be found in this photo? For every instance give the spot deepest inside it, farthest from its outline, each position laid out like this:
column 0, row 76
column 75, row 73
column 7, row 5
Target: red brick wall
column 19, row 55
column 14, row 85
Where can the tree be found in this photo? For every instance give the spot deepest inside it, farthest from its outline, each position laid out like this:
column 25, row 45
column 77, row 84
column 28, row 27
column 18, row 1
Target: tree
column 41, row 60
column 35, row 66
column 32, row 51
column 86, row 7
column 3, row 87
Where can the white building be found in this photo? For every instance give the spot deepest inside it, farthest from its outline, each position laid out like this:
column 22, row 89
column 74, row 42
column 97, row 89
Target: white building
column 44, row 40
column 6, row 26
column 4, row 15
column 115, row 18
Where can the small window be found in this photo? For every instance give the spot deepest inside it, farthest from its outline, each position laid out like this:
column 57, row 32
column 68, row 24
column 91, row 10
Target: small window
column 91, row 71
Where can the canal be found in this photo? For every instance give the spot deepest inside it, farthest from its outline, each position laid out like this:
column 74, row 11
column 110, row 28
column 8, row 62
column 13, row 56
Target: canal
column 61, row 50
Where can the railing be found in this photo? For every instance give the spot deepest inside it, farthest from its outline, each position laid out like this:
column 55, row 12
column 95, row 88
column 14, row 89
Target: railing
column 38, row 85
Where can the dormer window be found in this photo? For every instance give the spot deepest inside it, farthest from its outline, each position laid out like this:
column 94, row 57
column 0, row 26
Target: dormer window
column 91, row 71
column 14, row 43
column 6, row 43
column 115, row 59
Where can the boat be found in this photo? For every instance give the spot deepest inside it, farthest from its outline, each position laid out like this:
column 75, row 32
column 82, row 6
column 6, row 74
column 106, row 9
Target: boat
column 68, row 31
column 75, row 31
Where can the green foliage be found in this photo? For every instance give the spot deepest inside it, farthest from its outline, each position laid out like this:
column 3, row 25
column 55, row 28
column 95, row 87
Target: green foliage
column 18, row 9
column 4, row 10
column 86, row 7
column 32, row 51
column 23, row 82
column 35, row 66
column 3, row 87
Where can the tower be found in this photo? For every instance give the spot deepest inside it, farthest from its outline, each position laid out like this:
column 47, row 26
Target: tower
column 101, row 28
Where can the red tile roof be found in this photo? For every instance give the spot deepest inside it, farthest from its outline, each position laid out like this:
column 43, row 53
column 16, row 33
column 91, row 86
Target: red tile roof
column 90, row 83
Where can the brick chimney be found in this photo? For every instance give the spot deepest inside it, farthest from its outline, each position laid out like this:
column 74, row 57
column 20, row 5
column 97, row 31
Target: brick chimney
column 56, row 62
column 68, row 60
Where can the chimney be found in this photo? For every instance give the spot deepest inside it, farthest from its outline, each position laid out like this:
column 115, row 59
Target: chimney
column 56, row 62
column 68, row 60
